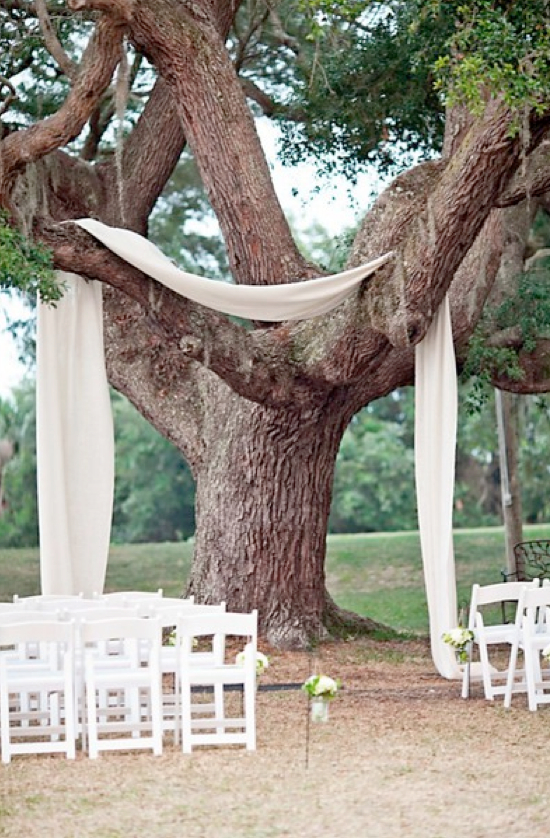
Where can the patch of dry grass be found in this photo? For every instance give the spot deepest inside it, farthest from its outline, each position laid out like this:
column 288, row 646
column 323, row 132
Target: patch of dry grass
column 401, row 757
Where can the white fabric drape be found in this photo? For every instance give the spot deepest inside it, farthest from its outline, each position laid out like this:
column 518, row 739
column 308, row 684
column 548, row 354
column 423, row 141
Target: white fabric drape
column 435, row 443
column 75, row 450
column 293, row 301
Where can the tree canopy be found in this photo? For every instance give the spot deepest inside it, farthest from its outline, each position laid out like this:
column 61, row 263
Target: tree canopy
column 100, row 99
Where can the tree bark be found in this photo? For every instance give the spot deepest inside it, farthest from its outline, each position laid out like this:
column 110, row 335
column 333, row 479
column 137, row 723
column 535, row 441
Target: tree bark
column 263, row 500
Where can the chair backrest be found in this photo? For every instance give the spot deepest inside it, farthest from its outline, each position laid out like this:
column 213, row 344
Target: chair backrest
column 498, row 593
column 533, row 608
column 42, row 634
column 25, row 615
column 11, row 607
column 169, row 614
column 105, row 612
column 29, row 600
column 216, row 625
column 127, row 596
column 56, row 604
column 125, row 635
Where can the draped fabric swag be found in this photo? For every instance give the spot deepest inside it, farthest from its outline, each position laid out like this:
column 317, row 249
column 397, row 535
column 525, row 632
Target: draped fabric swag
column 435, row 444
column 75, row 433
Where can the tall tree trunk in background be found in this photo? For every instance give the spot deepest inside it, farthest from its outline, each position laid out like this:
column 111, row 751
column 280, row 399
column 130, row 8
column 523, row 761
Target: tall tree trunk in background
column 507, row 407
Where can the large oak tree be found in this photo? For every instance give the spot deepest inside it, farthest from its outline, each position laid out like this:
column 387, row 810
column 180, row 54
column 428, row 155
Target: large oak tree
column 259, row 411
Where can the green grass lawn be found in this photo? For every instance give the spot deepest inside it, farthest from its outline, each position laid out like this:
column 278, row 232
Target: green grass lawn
column 377, row 575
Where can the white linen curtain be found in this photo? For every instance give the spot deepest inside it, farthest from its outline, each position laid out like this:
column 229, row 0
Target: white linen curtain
column 75, row 448
column 293, row 301
column 435, row 445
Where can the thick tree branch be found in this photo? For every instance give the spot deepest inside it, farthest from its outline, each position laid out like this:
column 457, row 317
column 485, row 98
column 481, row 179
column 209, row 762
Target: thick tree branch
column 52, row 42
column 121, row 9
column 99, row 61
column 534, row 182
column 253, row 92
column 189, row 53
column 147, row 163
column 443, row 234
column 161, row 383
column 257, row 365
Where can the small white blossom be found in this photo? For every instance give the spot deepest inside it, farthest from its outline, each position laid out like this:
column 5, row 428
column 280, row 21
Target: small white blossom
column 262, row 661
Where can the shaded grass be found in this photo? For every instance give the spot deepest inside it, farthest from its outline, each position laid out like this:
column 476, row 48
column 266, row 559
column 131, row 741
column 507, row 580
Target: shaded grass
column 378, row 575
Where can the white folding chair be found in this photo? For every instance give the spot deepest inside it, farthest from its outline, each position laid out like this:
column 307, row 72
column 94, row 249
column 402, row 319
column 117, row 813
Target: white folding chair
column 217, row 723
column 487, row 634
column 169, row 614
column 131, row 716
column 107, row 650
column 37, row 691
column 532, row 635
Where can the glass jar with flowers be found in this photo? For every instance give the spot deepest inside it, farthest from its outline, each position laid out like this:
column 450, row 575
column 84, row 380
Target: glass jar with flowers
column 460, row 639
column 321, row 689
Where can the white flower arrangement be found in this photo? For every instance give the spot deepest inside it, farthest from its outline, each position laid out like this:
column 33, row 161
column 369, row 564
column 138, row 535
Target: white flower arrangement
column 262, row 662
column 546, row 653
column 459, row 638
column 321, row 686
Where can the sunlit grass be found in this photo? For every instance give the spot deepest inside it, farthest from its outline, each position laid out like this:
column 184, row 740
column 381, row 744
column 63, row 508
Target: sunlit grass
column 377, row 575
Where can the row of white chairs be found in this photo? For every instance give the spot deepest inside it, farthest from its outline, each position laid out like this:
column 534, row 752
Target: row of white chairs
column 104, row 674
column 527, row 636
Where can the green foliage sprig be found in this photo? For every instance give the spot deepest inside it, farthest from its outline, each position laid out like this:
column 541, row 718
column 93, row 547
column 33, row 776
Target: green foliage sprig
column 527, row 312
column 26, row 265
column 501, row 49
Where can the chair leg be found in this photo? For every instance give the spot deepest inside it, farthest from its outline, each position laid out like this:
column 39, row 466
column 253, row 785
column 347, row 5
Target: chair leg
column 185, row 717
column 5, row 742
column 219, row 707
column 156, row 717
column 530, row 676
column 466, row 679
column 511, row 675
column 91, row 714
column 487, row 684
column 250, row 713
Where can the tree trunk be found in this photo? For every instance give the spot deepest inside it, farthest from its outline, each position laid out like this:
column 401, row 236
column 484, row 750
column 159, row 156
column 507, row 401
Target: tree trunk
column 508, row 439
column 262, row 505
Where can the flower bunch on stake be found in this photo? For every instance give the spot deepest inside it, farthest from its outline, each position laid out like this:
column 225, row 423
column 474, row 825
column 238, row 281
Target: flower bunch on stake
column 459, row 638
column 546, row 653
column 321, row 686
column 262, row 662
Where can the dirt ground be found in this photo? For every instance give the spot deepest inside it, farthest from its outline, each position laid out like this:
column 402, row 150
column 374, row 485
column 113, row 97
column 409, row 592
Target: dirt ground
column 402, row 756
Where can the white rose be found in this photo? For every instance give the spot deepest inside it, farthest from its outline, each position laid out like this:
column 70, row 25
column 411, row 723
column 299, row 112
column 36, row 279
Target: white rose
column 457, row 636
column 325, row 686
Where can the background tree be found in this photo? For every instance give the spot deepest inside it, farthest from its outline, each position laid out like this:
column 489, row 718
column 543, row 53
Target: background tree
column 259, row 412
